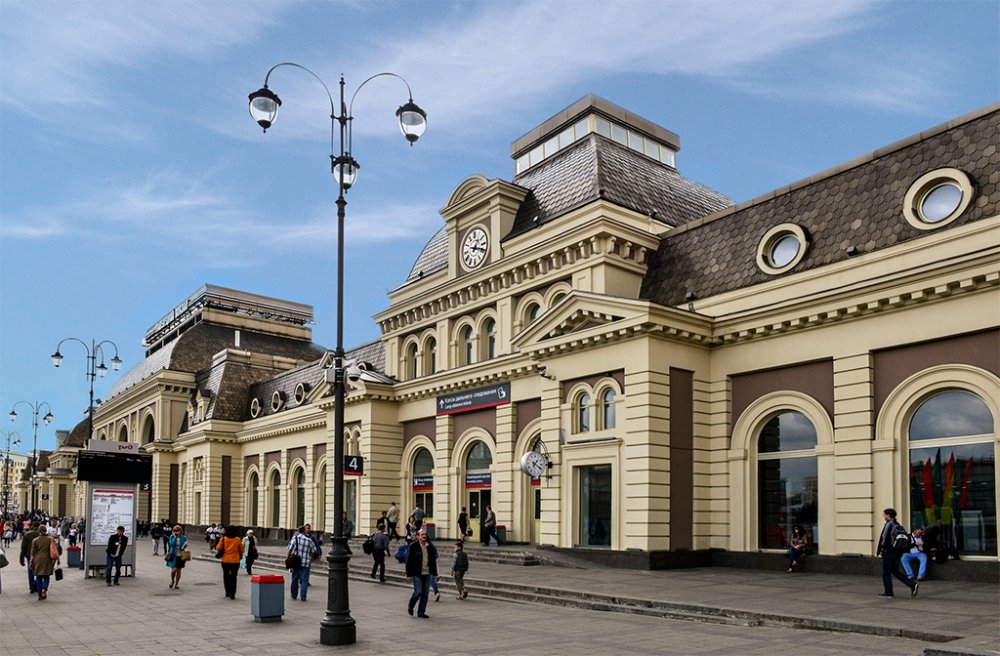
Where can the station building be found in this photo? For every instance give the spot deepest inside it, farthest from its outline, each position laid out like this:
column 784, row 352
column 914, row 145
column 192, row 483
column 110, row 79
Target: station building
column 694, row 376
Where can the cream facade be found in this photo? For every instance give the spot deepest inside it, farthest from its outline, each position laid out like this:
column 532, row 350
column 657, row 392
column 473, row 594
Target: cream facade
column 697, row 376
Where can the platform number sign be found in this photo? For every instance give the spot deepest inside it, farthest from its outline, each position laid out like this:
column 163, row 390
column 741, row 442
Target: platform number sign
column 354, row 465
column 45, row 497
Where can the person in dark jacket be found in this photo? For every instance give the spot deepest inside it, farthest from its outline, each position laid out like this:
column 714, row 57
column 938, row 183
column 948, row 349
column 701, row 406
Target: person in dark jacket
column 890, row 558
column 26, row 539
column 421, row 566
column 380, row 548
column 115, row 551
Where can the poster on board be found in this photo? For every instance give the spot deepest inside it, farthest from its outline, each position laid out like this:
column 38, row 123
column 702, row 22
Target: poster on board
column 110, row 508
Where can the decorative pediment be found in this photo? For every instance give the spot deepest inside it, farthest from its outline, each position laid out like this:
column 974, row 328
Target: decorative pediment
column 467, row 188
column 576, row 313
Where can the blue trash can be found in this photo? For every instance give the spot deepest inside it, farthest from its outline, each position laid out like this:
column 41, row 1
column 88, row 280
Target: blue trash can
column 431, row 531
column 72, row 556
column 267, row 597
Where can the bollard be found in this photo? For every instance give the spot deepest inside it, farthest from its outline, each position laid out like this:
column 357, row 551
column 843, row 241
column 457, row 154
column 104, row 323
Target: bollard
column 267, row 597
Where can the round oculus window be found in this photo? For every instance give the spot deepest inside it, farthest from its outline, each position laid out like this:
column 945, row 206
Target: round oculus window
column 940, row 202
column 781, row 248
column 784, row 251
column 937, row 198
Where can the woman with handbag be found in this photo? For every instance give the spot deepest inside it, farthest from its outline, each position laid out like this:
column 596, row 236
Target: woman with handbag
column 44, row 556
column 176, row 545
column 229, row 550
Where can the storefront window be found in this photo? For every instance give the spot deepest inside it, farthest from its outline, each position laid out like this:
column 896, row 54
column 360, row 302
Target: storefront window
column 595, row 506
column 254, row 498
column 276, row 499
column 300, row 498
column 787, row 480
column 952, row 474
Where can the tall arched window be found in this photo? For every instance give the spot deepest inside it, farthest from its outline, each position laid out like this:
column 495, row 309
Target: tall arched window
column 533, row 311
column 253, row 499
column 148, row 430
column 276, row 499
column 952, row 472
column 787, row 479
column 465, row 345
column 423, row 481
column 490, row 334
column 581, row 413
column 479, row 459
column 411, row 361
column 608, row 409
column 430, row 357
column 123, row 433
column 300, row 497
column 320, row 523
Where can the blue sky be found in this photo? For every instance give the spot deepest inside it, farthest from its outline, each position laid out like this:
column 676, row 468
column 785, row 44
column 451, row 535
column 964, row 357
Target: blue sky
column 131, row 172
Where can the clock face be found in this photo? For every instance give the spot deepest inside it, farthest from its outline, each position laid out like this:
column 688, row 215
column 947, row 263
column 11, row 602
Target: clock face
column 533, row 464
column 474, row 247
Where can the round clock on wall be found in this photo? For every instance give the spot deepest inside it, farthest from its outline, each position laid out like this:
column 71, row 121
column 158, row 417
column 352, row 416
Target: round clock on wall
column 475, row 247
column 534, row 464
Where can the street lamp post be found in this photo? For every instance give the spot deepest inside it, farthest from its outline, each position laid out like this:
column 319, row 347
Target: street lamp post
column 47, row 419
column 13, row 439
column 93, row 369
column 337, row 626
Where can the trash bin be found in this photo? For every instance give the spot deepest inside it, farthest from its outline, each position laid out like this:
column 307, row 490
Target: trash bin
column 73, row 556
column 431, row 533
column 501, row 534
column 267, row 597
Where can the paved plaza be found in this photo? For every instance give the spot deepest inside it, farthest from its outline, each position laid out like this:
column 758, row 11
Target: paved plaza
column 84, row 617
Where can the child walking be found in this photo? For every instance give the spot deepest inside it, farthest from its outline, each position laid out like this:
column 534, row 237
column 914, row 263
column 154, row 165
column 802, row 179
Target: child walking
column 459, row 566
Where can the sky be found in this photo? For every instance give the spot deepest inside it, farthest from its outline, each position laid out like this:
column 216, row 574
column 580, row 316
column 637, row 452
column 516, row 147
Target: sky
column 131, row 172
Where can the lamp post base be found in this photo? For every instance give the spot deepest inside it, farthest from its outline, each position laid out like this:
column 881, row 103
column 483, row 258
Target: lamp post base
column 338, row 627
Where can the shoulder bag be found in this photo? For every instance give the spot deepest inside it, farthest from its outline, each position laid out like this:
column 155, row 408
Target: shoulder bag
column 53, row 550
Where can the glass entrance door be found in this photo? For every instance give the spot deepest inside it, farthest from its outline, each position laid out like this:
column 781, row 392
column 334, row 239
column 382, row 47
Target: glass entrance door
column 477, row 499
column 595, row 506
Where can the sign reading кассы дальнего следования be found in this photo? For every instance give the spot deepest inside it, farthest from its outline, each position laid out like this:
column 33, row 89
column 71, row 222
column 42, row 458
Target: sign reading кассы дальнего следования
column 483, row 397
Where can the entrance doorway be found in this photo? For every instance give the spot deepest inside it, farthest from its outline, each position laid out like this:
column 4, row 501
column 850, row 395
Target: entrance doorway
column 477, row 501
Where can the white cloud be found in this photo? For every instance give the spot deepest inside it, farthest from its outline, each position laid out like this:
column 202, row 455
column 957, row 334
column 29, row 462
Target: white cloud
column 57, row 55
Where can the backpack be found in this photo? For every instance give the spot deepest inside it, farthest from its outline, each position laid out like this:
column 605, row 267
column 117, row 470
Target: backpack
column 899, row 540
column 369, row 545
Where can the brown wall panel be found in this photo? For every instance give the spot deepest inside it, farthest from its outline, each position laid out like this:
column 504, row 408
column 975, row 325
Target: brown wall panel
column 272, row 456
column 299, row 452
column 426, row 427
column 681, row 459
column 893, row 366
column 618, row 375
column 485, row 419
column 812, row 378
column 527, row 412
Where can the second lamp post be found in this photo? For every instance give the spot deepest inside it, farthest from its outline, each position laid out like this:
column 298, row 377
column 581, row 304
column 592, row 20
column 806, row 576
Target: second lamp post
column 337, row 626
column 93, row 369
column 35, row 409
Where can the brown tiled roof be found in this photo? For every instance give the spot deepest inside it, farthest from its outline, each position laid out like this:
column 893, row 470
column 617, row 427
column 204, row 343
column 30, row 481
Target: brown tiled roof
column 193, row 350
column 858, row 204
column 595, row 168
column 78, row 435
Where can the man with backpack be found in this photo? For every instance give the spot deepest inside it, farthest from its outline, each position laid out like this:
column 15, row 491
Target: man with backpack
column 893, row 543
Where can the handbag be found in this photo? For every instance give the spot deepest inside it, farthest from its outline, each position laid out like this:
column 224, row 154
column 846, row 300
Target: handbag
column 59, row 574
column 3, row 559
column 185, row 554
column 53, row 550
column 368, row 546
column 293, row 562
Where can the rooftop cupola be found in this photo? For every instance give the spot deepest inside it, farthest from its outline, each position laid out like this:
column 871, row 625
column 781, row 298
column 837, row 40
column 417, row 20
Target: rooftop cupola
column 594, row 115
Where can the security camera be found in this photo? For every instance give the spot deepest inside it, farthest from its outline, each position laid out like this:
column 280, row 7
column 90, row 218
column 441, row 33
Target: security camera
column 354, row 373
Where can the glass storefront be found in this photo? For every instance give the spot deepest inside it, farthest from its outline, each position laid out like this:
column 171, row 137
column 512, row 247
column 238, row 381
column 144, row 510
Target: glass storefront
column 595, row 506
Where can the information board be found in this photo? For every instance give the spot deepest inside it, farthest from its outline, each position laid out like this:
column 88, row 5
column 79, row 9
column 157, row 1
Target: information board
column 484, row 397
column 109, row 509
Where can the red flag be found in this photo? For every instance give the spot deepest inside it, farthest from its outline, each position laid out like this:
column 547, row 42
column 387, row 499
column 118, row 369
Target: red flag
column 965, row 484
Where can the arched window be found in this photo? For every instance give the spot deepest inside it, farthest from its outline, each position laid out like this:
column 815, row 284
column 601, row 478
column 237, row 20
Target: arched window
column 952, row 472
column 148, row 430
column 465, row 345
column 490, row 345
column 581, row 413
column 607, row 409
column 300, row 497
column 253, row 498
column 423, row 481
column 787, row 479
column 479, row 458
column 276, row 499
column 123, row 433
column 411, row 361
column 320, row 523
column 430, row 357
column 531, row 313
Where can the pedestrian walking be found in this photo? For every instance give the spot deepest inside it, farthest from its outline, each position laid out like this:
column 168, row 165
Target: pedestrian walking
column 421, row 567
column 176, row 543
column 891, row 548
column 459, row 566
column 411, row 529
column 463, row 524
column 156, row 533
column 8, row 533
column 74, row 532
column 168, row 532
column 418, row 515
column 115, row 550
column 249, row 552
column 304, row 549
column 44, row 557
column 348, row 525
column 392, row 519
column 27, row 538
column 490, row 527
column 229, row 550
column 380, row 548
